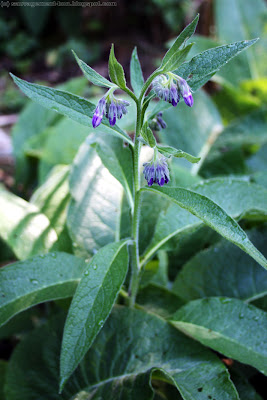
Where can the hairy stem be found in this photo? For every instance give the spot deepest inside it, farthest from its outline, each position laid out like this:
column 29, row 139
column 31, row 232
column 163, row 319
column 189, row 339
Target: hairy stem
column 135, row 263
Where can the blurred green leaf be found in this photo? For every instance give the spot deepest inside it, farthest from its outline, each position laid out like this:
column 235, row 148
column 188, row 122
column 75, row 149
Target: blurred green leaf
column 23, row 227
column 95, row 205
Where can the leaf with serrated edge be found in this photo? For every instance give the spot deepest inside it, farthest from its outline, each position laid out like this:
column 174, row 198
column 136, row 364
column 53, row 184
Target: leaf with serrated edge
column 92, row 75
column 233, row 328
column 212, row 215
column 181, row 39
column 138, row 343
column 137, row 79
column 210, row 61
column 92, row 303
column 37, row 279
column 74, row 107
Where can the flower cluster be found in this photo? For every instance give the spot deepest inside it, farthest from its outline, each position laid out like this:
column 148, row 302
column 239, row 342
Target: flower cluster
column 111, row 107
column 156, row 171
column 158, row 123
column 170, row 87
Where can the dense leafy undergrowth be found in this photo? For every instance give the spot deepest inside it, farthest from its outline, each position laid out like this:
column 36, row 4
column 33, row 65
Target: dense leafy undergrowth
column 149, row 292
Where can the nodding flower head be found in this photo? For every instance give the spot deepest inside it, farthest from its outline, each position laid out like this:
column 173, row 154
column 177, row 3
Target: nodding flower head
column 111, row 107
column 169, row 87
column 158, row 123
column 156, row 171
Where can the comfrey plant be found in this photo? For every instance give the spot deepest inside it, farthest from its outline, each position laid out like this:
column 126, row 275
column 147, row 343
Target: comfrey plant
column 146, row 345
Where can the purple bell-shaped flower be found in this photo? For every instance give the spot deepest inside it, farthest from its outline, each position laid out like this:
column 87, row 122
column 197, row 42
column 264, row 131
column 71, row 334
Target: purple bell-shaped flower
column 157, row 171
column 111, row 107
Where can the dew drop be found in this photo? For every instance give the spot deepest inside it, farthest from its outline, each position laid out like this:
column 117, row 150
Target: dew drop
column 256, row 318
column 86, row 273
column 34, row 281
column 53, row 255
column 241, row 315
column 74, row 244
column 94, row 266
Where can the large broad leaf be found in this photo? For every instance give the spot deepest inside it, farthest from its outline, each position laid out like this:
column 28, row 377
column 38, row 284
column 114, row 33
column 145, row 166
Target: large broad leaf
column 95, row 207
column 52, row 197
column 238, row 198
column 38, row 279
column 193, row 130
column 239, row 20
column 23, row 227
column 117, row 159
column 229, row 326
column 212, row 215
column 92, row 303
column 200, row 68
column 74, row 107
column 131, row 344
column 137, row 79
column 204, row 275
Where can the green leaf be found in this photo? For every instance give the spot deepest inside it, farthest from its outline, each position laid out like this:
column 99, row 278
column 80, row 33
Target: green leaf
column 74, row 107
column 199, row 68
column 238, row 198
column 159, row 300
column 229, row 326
column 23, row 227
column 169, row 151
column 131, row 344
column 95, row 207
column 116, row 72
column 92, row 75
column 117, row 159
column 171, row 58
column 242, row 133
column 52, row 198
column 92, row 303
column 147, row 136
column 3, row 369
column 239, row 20
column 38, row 279
column 202, row 276
column 137, row 79
column 212, row 215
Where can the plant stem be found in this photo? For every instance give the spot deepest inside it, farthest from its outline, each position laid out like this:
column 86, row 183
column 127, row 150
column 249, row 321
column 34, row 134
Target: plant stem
column 135, row 264
column 135, row 260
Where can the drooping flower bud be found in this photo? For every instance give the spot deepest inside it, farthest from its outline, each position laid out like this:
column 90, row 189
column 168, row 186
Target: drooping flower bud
column 111, row 107
column 158, row 123
column 156, row 171
column 185, row 91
